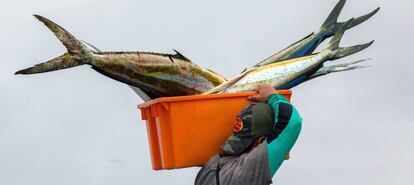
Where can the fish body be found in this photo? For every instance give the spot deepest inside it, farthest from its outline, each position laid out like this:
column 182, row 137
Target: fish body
column 159, row 75
column 279, row 74
column 286, row 73
column 156, row 74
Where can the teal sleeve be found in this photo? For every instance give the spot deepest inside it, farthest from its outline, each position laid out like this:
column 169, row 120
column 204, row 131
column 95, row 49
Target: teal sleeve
column 274, row 100
column 283, row 143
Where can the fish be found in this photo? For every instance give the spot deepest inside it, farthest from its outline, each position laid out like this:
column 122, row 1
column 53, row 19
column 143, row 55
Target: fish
column 307, row 46
column 152, row 74
column 309, row 43
column 338, row 68
column 282, row 74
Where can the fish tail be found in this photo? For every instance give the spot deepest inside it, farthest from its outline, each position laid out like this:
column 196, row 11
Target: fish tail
column 333, row 16
column 338, row 52
column 338, row 68
column 77, row 54
column 331, row 24
column 362, row 19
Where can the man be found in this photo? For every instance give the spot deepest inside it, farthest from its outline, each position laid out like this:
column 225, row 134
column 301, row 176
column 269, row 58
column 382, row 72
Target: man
column 264, row 133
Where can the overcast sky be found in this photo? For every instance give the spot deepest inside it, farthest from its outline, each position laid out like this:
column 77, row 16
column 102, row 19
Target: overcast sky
column 78, row 127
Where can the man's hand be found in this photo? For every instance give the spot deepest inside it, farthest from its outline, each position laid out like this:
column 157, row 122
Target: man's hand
column 264, row 90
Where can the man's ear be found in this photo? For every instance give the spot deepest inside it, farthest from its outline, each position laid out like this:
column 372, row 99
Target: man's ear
column 261, row 139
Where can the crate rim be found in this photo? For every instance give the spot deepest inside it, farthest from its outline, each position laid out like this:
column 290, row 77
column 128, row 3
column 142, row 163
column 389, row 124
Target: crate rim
column 202, row 97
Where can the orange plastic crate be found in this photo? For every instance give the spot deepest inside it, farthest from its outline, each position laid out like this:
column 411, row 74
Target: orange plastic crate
column 186, row 131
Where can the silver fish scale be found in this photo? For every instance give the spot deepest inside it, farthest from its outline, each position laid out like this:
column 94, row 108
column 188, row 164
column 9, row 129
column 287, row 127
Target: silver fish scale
column 277, row 74
column 274, row 72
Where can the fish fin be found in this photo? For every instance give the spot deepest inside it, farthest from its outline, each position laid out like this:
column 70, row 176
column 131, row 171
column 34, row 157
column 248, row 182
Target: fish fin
column 331, row 24
column 333, row 16
column 338, row 52
column 221, row 87
column 343, row 52
column 229, row 83
column 91, row 46
column 327, row 29
column 61, row 62
column 336, row 39
column 337, row 68
column 362, row 19
column 144, row 96
column 181, row 56
column 77, row 52
column 73, row 45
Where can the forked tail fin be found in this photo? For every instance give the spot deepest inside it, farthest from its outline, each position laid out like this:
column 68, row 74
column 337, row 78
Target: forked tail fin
column 338, row 52
column 333, row 16
column 308, row 44
column 331, row 24
column 77, row 54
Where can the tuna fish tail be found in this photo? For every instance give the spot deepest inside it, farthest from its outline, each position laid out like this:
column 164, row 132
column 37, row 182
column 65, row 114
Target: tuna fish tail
column 338, row 52
column 331, row 24
column 77, row 54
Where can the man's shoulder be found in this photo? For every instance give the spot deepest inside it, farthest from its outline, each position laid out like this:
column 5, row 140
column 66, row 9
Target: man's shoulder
column 209, row 171
column 251, row 166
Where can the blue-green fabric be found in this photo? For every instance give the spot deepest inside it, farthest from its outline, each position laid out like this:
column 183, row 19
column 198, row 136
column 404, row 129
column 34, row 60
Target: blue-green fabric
column 280, row 147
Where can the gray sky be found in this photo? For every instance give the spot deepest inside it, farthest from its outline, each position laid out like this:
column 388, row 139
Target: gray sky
column 77, row 127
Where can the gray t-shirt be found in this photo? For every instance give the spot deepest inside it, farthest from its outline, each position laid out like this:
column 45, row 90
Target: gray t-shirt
column 250, row 168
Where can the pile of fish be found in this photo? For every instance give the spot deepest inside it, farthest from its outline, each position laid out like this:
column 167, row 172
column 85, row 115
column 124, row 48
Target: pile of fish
column 154, row 75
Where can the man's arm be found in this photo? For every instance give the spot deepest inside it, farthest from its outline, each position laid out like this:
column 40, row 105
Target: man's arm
column 287, row 125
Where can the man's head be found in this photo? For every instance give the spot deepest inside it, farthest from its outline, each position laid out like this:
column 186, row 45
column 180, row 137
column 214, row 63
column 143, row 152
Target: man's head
column 253, row 122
